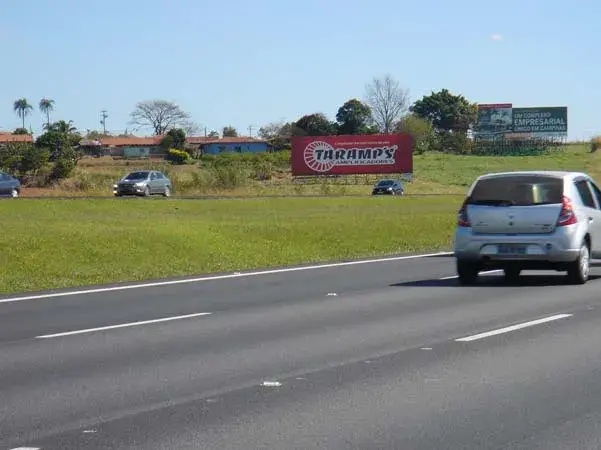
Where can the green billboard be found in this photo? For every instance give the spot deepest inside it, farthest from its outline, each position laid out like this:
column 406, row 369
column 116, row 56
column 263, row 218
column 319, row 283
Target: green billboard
column 548, row 121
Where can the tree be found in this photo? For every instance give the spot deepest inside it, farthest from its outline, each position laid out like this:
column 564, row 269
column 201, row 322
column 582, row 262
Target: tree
column 388, row 102
column 446, row 112
column 60, row 138
column 20, row 131
column 174, row 139
column 278, row 134
column 160, row 115
column 314, row 125
column 22, row 108
column 354, row 117
column 420, row 129
column 213, row 134
column 46, row 107
column 229, row 132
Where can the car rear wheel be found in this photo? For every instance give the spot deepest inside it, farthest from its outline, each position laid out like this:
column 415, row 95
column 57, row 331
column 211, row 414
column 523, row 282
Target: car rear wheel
column 578, row 271
column 467, row 272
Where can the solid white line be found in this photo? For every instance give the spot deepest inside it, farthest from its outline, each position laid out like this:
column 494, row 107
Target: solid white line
column 513, row 328
column 451, row 277
column 26, row 448
column 218, row 277
column 123, row 325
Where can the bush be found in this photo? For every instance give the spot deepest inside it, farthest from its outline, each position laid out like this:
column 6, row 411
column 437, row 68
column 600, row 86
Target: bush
column 177, row 156
column 595, row 143
column 63, row 167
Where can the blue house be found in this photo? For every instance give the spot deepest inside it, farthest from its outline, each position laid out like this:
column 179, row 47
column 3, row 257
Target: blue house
column 234, row 145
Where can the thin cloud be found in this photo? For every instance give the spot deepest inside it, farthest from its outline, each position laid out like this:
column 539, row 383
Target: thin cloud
column 496, row 37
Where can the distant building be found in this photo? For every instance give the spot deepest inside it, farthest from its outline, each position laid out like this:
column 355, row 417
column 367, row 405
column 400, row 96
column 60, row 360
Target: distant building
column 6, row 137
column 126, row 146
column 235, row 145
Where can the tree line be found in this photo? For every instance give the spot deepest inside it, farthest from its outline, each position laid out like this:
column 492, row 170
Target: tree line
column 438, row 121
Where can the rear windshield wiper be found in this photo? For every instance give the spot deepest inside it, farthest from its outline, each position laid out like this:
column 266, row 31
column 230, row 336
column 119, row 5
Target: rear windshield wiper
column 492, row 202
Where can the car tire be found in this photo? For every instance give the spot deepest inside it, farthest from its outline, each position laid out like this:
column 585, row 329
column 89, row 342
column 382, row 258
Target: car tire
column 467, row 272
column 146, row 192
column 167, row 192
column 512, row 274
column 14, row 193
column 578, row 270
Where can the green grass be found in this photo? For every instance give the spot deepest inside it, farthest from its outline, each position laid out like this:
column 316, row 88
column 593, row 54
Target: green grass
column 62, row 243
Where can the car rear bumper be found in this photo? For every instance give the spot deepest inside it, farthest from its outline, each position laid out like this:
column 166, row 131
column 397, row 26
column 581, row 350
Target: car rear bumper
column 563, row 245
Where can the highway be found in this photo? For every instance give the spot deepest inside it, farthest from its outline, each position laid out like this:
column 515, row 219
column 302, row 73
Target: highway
column 380, row 354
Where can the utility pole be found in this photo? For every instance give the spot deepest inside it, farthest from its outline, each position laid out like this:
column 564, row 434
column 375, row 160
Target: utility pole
column 250, row 131
column 103, row 120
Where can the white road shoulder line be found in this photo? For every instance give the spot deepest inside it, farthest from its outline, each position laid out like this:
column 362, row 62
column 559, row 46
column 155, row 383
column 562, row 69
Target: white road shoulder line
column 123, row 325
column 219, row 277
column 519, row 326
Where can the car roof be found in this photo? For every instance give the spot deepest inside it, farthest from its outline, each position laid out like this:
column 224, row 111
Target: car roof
column 551, row 173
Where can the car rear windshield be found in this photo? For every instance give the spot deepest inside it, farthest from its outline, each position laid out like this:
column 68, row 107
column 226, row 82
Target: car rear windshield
column 386, row 183
column 137, row 176
column 518, row 190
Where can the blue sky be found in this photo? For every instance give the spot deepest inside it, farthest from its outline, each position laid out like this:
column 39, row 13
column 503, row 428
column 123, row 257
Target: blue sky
column 241, row 63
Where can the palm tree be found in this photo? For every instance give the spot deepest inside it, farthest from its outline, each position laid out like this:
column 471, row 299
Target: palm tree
column 62, row 127
column 22, row 108
column 46, row 107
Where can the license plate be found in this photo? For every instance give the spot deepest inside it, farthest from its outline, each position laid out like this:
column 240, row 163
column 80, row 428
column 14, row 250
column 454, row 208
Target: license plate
column 512, row 249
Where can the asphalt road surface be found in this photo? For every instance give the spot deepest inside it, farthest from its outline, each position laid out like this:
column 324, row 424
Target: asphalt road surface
column 388, row 354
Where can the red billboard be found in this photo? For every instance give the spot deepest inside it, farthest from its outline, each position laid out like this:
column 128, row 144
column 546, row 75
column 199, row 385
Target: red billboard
column 352, row 154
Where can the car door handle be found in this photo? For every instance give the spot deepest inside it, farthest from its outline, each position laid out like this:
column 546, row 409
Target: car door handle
column 590, row 219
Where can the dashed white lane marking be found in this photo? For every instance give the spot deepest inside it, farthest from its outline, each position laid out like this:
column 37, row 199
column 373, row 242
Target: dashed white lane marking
column 123, row 325
column 271, row 384
column 220, row 277
column 450, row 277
column 26, row 448
column 512, row 328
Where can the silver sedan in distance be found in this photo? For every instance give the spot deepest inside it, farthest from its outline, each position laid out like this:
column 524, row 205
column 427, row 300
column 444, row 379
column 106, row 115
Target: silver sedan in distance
column 530, row 220
column 144, row 183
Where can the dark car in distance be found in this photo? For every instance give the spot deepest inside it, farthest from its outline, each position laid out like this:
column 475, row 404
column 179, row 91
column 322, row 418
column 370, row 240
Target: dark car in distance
column 9, row 186
column 143, row 182
column 388, row 187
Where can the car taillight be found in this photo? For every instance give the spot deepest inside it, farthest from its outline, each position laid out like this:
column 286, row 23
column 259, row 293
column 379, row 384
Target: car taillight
column 462, row 218
column 566, row 215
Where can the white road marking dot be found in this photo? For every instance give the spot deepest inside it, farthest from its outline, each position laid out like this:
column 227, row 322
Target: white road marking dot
column 451, row 277
column 271, row 383
column 220, row 277
column 426, row 348
column 123, row 325
column 513, row 328
column 89, row 431
column 332, row 294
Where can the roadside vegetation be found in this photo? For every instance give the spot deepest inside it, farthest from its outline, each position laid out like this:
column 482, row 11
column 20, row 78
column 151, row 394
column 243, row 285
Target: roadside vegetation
column 51, row 244
column 56, row 163
column 268, row 174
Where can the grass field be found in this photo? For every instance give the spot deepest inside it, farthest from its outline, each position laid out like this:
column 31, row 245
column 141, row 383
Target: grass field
column 433, row 174
column 60, row 243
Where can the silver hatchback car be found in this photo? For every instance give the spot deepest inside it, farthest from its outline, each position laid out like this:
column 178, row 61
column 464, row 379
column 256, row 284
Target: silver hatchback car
column 539, row 220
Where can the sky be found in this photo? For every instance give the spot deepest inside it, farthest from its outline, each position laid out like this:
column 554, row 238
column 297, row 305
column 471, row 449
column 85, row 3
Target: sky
column 247, row 63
